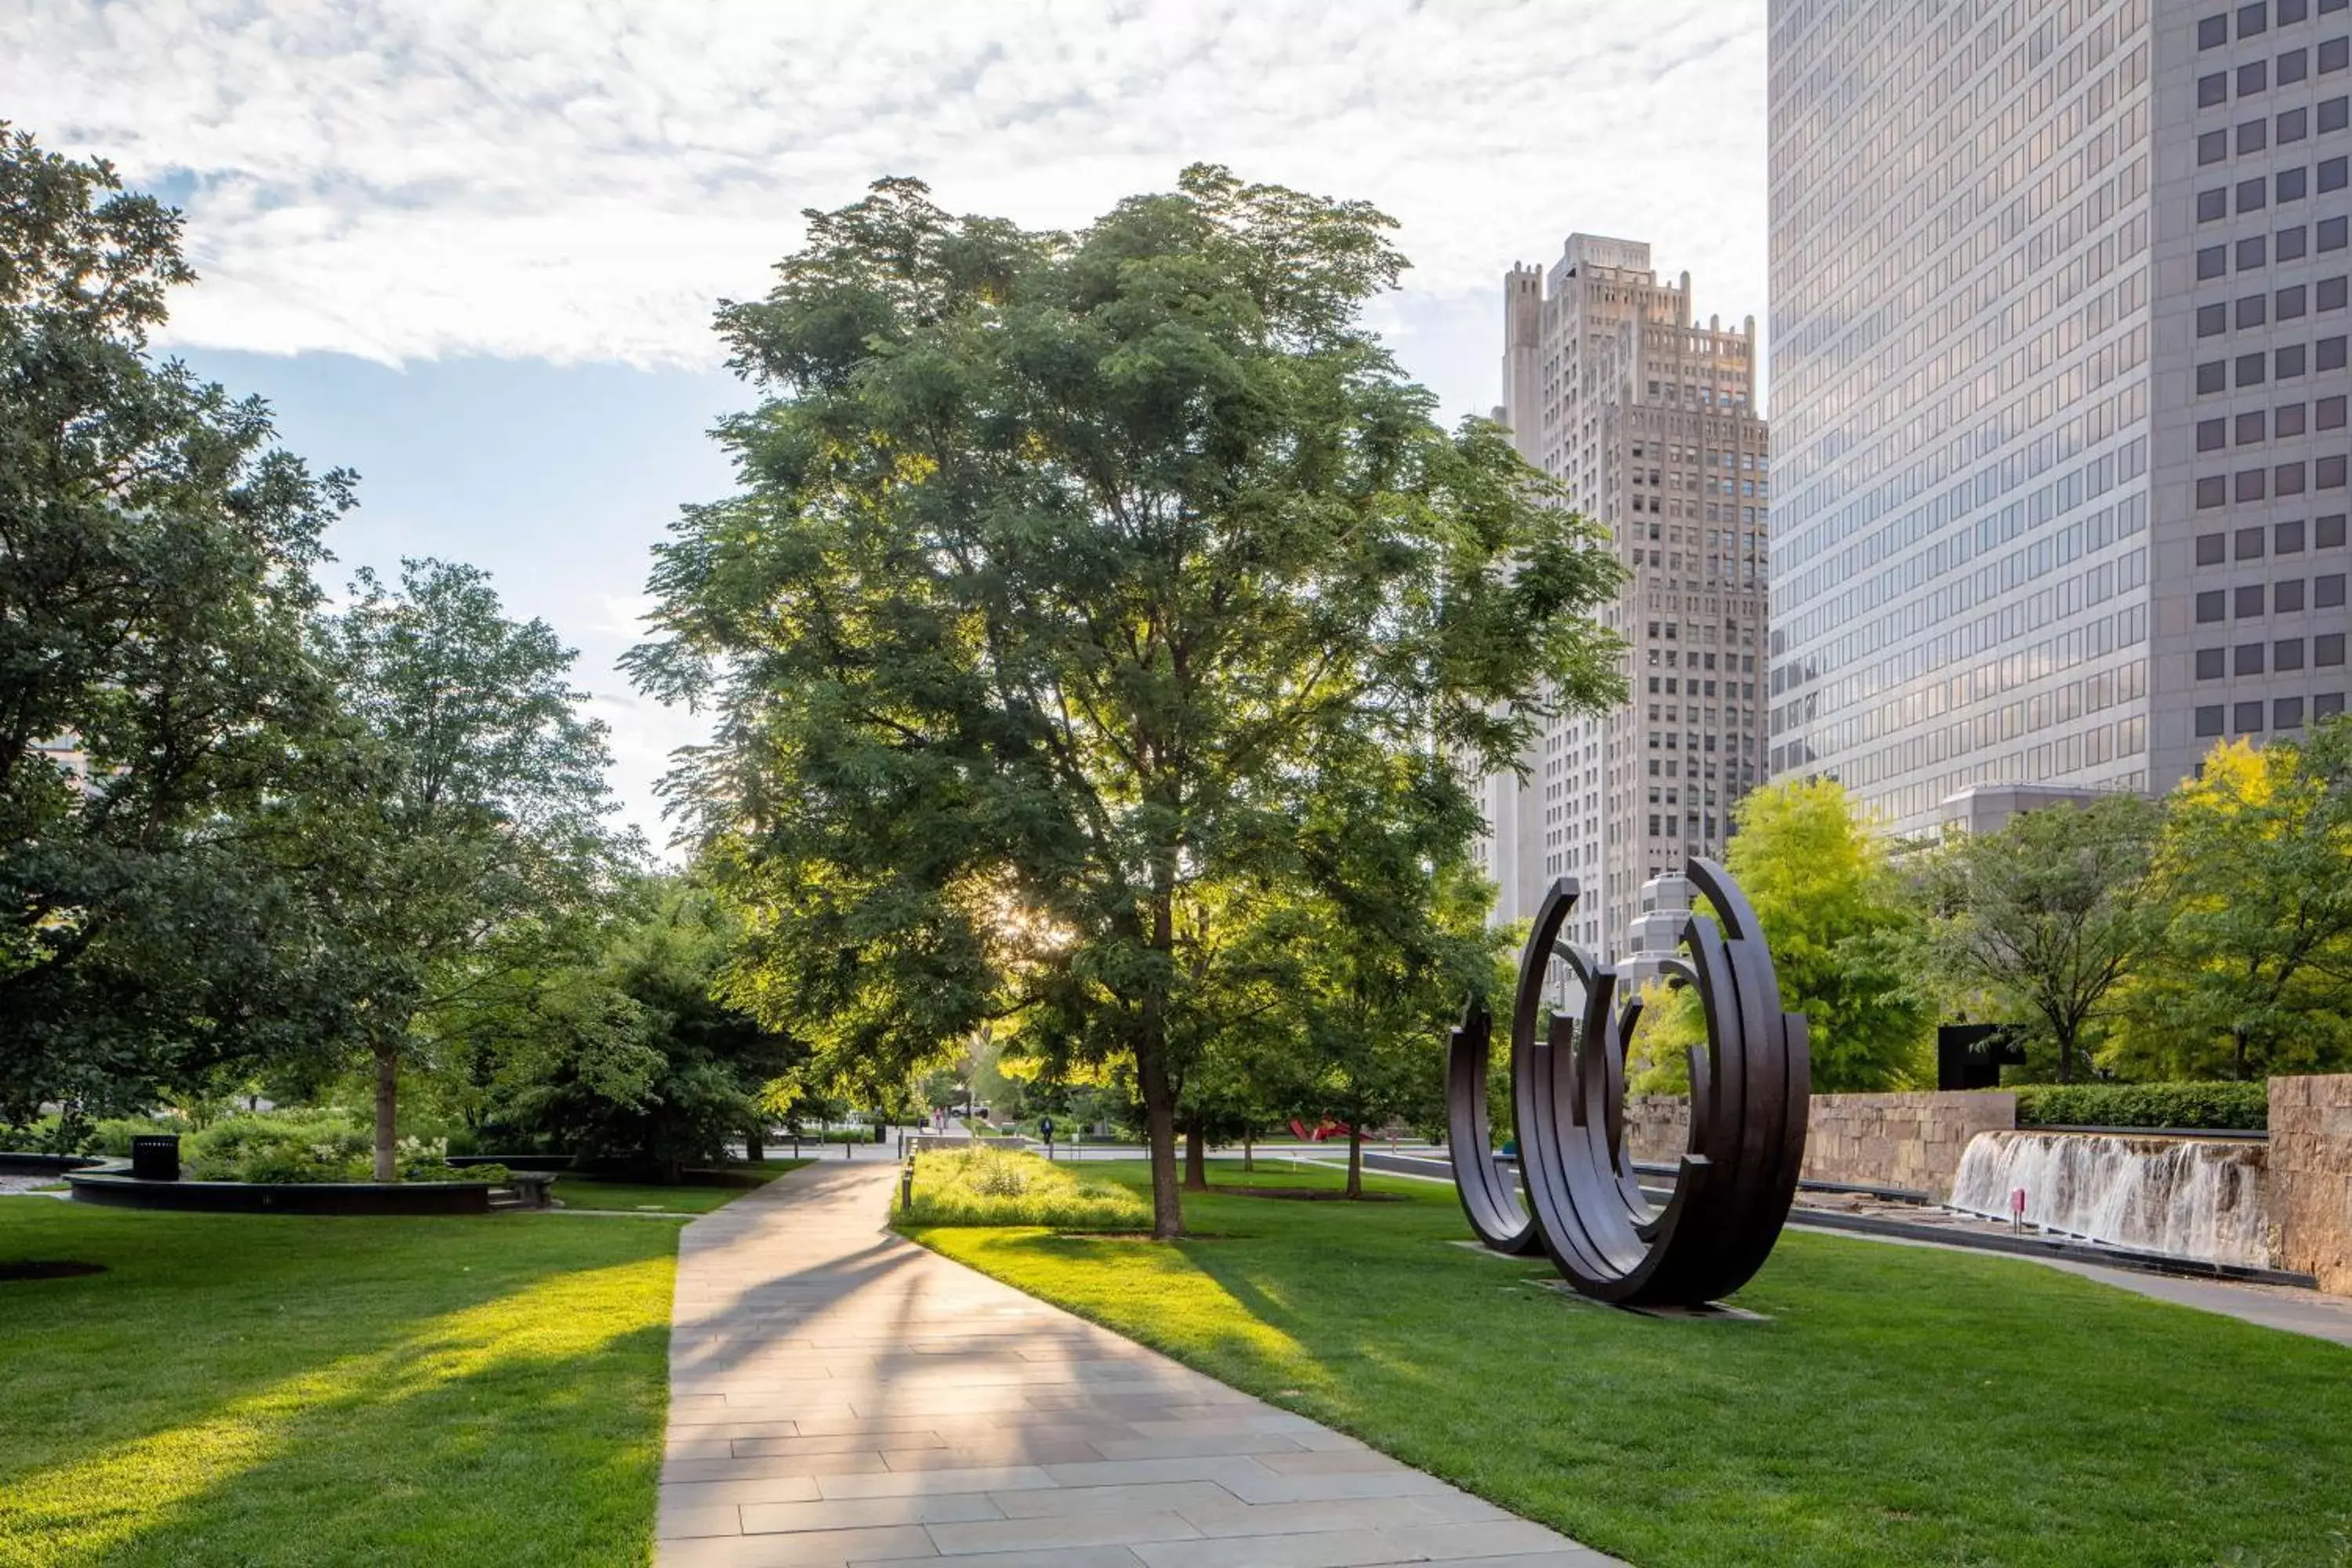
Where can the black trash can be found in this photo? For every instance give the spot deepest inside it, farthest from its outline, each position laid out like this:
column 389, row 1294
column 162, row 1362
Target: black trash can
column 155, row 1159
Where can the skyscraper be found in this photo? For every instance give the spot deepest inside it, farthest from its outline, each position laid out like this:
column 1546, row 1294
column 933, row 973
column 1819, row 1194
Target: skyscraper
column 2058, row 348
column 1650, row 422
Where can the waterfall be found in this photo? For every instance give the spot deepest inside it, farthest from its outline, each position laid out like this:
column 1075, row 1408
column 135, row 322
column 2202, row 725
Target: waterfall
column 2190, row 1197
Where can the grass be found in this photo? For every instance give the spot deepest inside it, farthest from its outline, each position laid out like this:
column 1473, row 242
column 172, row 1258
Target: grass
column 263, row 1392
column 1903, row 1405
column 685, row 1197
column 1000, row 1187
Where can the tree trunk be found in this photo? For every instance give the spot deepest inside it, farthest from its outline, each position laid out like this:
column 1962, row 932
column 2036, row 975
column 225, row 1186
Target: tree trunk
column 1160, row 1134
column 1249, row 1151
column 387, row 1112
column 1355, row 1159
column 1196, row 1159
column 755, row 1143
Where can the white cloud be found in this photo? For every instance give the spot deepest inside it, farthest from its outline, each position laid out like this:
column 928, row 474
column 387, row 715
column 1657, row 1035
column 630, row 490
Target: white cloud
column 573, row 182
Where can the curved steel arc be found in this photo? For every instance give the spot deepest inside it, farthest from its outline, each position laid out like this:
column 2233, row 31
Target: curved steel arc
column 1583, row 1206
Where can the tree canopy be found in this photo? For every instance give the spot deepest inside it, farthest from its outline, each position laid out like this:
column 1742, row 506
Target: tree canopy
column 156, row 553
column 1061, row 564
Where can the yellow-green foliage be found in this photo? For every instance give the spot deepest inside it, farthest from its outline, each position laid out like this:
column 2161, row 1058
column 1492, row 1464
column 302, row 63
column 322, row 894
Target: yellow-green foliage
column 997, row 1186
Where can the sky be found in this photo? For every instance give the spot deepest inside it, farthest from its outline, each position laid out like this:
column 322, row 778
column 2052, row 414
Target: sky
column 470, row 247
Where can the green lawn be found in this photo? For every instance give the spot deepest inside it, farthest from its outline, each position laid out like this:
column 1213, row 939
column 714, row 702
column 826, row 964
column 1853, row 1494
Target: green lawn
column 595, row 1193
column 1903, row 1405
column 283, row 1393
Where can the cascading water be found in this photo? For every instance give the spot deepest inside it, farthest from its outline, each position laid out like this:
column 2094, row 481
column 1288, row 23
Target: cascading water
column 2190, row 1197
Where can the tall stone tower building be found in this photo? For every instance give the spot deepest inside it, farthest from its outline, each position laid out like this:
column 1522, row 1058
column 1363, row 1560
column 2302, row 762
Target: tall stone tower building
column 1650, row 422
column 2059, row 316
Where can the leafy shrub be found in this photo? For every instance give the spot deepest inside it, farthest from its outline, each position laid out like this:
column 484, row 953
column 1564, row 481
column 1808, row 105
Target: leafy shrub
column 428, row 1171
column 315, row 1145
column 49, row 1135
column 2216, row 1107
column 114, row 1137
column 995, row 1186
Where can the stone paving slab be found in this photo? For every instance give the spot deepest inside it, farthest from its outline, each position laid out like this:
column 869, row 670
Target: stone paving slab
column 840, row 1397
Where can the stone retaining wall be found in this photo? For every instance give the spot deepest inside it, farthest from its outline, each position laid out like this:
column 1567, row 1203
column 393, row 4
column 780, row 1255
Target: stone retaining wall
column 1911, row 1141
column 2310, row 1178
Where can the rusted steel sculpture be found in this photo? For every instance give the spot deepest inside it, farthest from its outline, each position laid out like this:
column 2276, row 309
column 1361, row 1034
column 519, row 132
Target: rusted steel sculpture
column 1583, row 1203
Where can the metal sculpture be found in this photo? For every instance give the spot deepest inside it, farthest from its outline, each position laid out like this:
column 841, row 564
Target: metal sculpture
column 1584, row 1206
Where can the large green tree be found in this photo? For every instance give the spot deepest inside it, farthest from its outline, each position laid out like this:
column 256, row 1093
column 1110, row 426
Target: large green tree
column 606, row 1040
column 1844, row 932
column 2253, row 975
column 473, row 820
column 2041, row 921
column 156, row 693
column 1058, row 559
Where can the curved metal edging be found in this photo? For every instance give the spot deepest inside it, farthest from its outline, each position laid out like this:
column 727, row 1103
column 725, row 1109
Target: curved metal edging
column 1584, row 1205
column 1494, row 1209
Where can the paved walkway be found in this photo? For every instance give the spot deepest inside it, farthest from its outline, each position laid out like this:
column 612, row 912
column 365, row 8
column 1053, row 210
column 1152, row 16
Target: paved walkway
column 839, row 1396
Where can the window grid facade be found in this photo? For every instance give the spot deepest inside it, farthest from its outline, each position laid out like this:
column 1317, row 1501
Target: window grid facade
column 2059, row 293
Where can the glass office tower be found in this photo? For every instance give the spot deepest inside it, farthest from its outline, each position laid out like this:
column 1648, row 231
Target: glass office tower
column 2058, row 342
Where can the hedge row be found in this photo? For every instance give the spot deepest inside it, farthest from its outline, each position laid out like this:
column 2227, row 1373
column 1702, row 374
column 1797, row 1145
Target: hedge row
column 2239, row 1107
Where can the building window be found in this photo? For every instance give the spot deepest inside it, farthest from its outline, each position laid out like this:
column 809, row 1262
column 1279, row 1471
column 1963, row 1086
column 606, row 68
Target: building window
column 2212, row 261
column 2212, row 321
column 2286, row 597
column 2252, row 252
column 2212, row 435
column 2252, row 18
column 2252, row 311
column 2250, row 370
column 2209, row 720
column 2292, row 67
column 2290, row 243
column 2212, row 90
column 2211, row 548
column 2331, row 293
column 2249, row 545
column 2213, row 32
column 2249, row 485
column 2334, row 113
column 2249, row 657
column 2288, row 538
column 2253, row 77
column 2249, row 601
column 2328, row 532
column 2328, row 650
column 2213, row 147
column 2213, row 376
column 2248, row 719
column 2293, row 125
column 2250, row 428
column 2253, row 135
column 2287, row 713
column 2287, row 420
column 2327, row 474
column 2290, row 362
column 2286, row 655
column 2334, row 54
column 2213, row 663
column 2327, row 593
column 2213, row 490
column 2213, row 606
column 2327, row 414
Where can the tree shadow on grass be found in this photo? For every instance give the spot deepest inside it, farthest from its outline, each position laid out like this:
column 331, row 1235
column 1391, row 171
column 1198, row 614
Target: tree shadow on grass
column 1900, row 1406
column 274, row 1391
